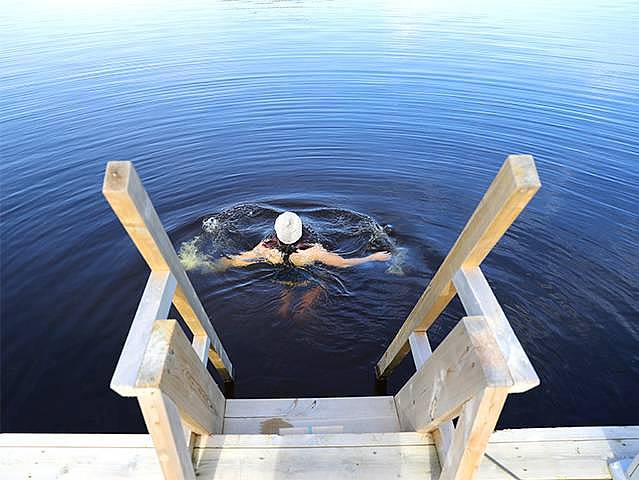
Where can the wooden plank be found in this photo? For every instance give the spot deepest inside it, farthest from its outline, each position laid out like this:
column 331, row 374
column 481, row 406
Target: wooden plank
column 527, row 460
column 464, row 364
column 317, row 407
column 130, row 202
column 559, row 434
column 73, row 440
column 586, row 459
column 171, row 365
column 575, row 460
column 163, row 423
column 139, row 441
column 78, row 463
column 420, row 348
column 201, row 345
column 478, row 299
column 443, row 435
column 311, row 429
column 354, row 414
column 274, row 425
column 531, row 454
column 228, row 441
column 510, row 191
column 155, row 304
column 364, row 463
column 474, row 428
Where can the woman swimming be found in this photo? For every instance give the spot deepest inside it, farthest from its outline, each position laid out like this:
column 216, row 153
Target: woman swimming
column 292, row 245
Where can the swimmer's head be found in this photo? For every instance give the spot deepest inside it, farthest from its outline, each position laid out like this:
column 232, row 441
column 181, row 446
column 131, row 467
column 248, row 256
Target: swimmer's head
column 288, row 228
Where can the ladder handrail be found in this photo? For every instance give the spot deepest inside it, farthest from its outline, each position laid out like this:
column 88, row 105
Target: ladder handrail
column 511, row 190
column 447, row 383
column 133, row 207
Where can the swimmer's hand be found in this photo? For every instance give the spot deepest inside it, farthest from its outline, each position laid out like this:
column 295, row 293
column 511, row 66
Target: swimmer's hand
column 380, row 256
column 221, row 265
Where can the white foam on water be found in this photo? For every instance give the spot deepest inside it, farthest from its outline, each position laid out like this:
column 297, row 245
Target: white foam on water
column 210, row 225
column 192, row 257
column 399, row 256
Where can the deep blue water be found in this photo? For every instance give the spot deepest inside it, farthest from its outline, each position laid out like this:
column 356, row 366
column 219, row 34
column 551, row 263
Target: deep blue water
column 403, row 111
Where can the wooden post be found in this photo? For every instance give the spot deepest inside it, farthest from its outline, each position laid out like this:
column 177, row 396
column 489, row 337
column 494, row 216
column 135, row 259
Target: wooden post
column 478, row 299
column 443, row 435
column 130, row 202
column 171, row 365
column 201, row 345
column 163, row 423
column 509, row 193
column 154, row 305
column 474, row 427
column 466, row 376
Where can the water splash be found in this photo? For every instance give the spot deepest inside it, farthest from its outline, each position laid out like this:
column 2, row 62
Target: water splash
column 240, row 228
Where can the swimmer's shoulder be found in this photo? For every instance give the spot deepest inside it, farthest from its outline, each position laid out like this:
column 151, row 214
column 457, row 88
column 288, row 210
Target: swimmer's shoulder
column 310, row 254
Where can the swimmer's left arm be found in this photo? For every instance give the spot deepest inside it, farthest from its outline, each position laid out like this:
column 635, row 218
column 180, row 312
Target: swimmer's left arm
column 318, row 253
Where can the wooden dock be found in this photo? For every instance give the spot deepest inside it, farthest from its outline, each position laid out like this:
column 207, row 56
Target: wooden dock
column 440, row 425
column 525, row 454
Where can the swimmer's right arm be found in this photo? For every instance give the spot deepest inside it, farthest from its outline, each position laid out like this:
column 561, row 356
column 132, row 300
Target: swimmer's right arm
column 257, row 255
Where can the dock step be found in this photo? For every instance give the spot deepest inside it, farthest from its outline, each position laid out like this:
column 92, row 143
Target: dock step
column 320, row 456
column 288, row 416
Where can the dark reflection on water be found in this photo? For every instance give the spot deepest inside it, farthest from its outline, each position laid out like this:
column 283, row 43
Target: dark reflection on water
column 401, row 111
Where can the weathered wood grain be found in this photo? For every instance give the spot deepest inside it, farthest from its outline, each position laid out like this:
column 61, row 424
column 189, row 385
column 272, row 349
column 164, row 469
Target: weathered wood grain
column 470, row 439
column 353, row 414
column 466, row 362
column 171, row 365
column 162, row 420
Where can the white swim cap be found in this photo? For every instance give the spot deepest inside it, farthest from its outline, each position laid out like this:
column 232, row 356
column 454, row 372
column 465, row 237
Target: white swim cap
column 288, row 228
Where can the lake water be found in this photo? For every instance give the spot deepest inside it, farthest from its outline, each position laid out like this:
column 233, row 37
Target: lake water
column 401, row 111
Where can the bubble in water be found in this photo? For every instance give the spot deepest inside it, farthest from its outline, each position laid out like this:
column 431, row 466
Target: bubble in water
column 210, row 225
column 399, row 256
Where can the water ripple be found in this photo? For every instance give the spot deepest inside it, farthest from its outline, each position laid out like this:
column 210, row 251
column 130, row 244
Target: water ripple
column 402, row 111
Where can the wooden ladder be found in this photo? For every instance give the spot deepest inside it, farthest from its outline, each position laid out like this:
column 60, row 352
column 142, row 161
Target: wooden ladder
column 467, row 377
